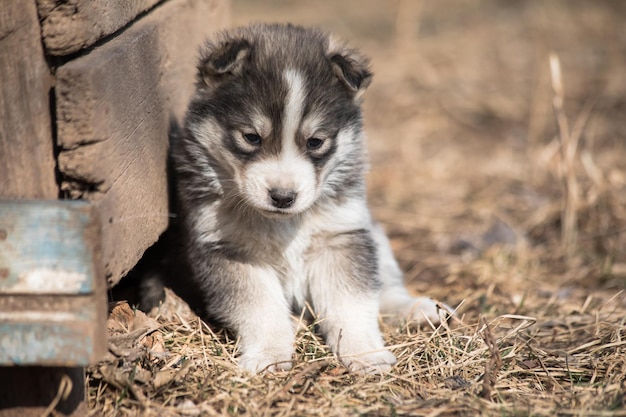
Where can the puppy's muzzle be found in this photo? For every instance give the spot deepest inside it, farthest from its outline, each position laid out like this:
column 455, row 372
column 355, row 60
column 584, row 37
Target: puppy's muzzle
column 282, row 198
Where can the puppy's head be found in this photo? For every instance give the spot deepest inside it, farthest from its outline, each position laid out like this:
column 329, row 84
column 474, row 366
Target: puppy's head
column 277, row 111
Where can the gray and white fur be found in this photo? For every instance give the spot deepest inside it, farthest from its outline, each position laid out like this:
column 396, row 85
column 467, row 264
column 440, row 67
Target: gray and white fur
column 272, row 203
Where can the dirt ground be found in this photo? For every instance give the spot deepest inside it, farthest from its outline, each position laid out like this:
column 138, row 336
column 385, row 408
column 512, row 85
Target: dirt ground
column 499, row 202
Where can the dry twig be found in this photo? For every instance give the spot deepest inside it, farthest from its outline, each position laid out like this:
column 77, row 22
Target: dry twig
column 569, row 145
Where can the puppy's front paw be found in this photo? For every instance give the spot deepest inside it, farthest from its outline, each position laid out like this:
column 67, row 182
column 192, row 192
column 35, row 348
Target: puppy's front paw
column 369, row 363
column 362, row 352
column 424, row 309
column 267, row 360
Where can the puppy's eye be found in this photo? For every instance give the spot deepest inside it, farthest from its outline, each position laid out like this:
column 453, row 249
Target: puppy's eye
column 314, row 143
column 252, row 138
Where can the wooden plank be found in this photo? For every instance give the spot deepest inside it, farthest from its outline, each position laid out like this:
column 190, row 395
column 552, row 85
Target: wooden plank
column 52, row 305
column 69, row 26
column 114, row 108
column 70, row 335
column 52, row 292
column 26, row 145
column 47, row 248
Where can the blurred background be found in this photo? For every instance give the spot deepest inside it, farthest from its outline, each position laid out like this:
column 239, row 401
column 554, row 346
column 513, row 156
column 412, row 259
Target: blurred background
column 490, row 194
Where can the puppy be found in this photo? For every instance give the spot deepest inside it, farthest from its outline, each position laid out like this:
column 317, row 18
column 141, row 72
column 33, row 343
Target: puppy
column 272, row 212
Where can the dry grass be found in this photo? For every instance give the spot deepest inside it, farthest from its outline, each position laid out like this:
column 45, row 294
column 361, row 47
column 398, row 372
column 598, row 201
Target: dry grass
column 511, row 364
column 473, row 175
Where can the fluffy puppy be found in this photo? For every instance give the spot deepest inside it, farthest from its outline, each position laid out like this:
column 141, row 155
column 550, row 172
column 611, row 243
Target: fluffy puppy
column 271, row 199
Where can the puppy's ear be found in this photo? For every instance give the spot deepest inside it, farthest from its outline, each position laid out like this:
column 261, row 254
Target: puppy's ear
column 350, row 66
column 222, row 60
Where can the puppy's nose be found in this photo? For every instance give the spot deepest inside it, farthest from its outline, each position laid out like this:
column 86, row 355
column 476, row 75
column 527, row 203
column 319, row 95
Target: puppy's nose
column 282, row 197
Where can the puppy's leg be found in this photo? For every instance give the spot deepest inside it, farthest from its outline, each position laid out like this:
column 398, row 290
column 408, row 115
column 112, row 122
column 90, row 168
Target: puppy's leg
column 395, row 301
column 344, row 291
column 249, row 300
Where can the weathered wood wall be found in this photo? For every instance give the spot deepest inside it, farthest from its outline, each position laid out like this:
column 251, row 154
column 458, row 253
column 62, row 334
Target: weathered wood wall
column 26, row 144
column 127, row 70
column 114, row 109
column 72, row 25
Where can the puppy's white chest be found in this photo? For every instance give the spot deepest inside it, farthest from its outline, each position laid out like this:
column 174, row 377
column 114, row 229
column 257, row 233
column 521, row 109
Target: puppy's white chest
column 312, row 235
column 293, row 276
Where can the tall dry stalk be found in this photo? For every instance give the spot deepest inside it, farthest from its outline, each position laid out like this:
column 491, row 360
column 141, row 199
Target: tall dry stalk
column 568, row 148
